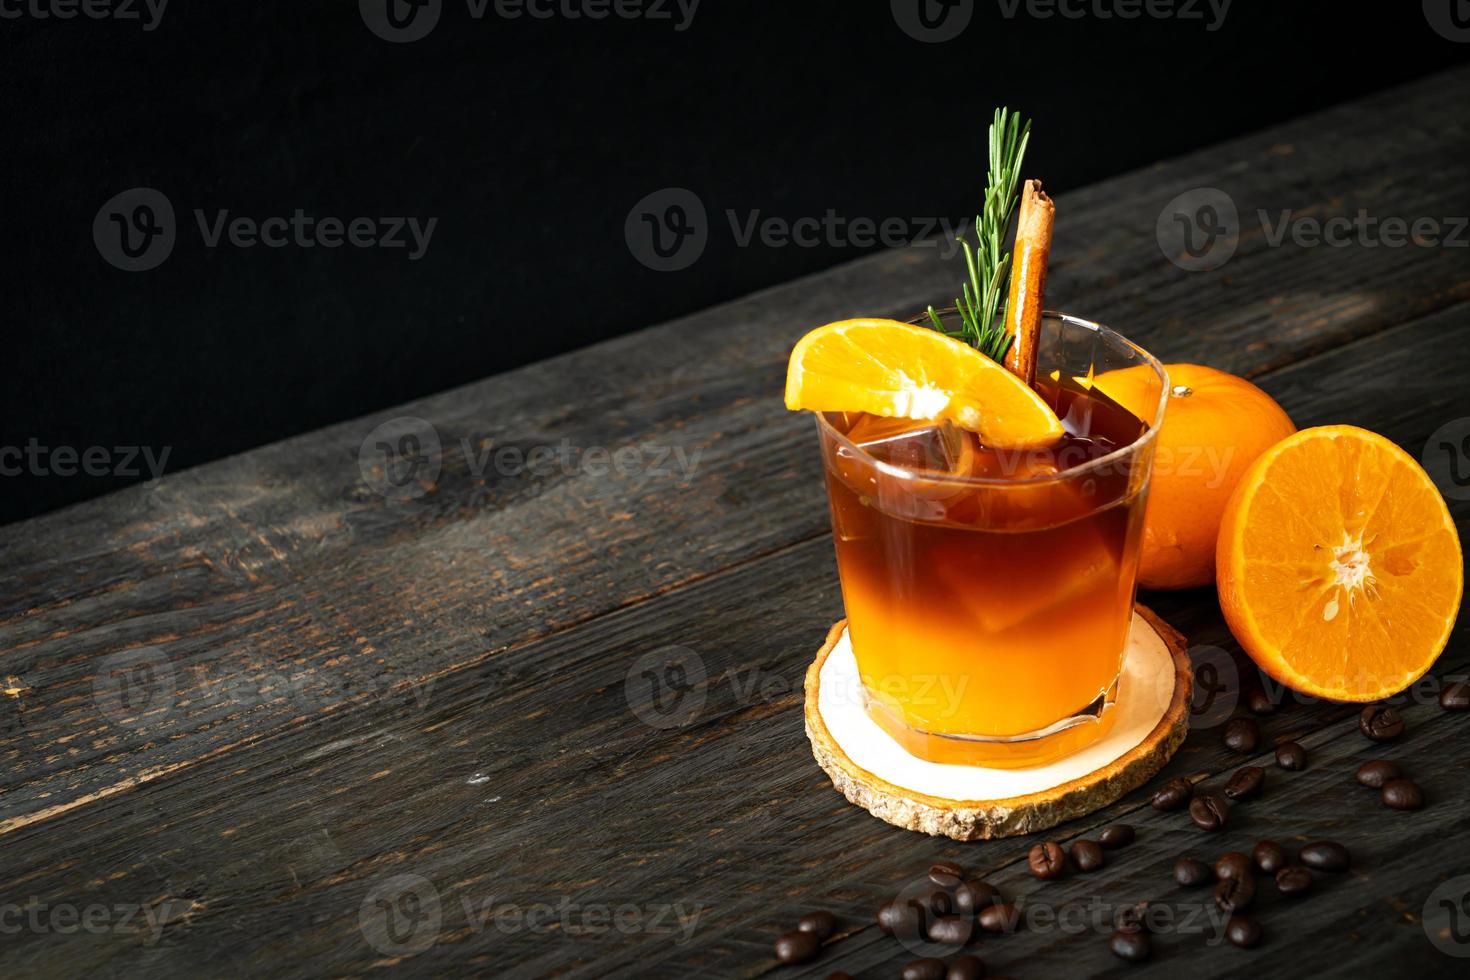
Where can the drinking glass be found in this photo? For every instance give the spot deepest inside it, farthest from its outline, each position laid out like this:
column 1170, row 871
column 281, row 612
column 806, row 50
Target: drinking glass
column 989, row 593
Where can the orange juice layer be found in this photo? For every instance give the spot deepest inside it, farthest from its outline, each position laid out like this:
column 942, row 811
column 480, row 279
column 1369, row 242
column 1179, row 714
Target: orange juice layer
column 984, row 609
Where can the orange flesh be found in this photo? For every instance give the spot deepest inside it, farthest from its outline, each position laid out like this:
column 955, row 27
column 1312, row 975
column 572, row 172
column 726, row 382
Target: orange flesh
column 1339, row 565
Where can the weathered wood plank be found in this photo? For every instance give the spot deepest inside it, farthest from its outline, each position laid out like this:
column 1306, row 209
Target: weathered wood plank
column 529, row 777
column 281, row 562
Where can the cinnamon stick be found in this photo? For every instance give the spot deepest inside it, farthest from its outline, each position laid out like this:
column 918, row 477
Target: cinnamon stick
column 1028, row 279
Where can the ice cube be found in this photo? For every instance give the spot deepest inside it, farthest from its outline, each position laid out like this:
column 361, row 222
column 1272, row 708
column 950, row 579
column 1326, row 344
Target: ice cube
column 913, row 445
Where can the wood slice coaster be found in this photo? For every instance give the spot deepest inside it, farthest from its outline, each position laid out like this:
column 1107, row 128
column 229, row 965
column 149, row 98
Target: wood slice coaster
column 977, row 803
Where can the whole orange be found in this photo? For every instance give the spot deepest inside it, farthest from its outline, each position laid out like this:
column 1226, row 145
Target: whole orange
column 1215, row 425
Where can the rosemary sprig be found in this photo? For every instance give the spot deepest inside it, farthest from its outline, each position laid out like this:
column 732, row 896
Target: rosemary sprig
column 980, row 300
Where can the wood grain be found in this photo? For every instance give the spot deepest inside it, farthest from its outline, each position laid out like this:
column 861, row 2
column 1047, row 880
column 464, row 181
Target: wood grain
column 452, row 686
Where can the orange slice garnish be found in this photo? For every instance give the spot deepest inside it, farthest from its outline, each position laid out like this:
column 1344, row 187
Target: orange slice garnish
column 1338, row 565
column 898, row 370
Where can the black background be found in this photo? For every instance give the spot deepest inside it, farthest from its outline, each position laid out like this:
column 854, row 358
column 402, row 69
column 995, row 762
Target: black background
column 530, row 140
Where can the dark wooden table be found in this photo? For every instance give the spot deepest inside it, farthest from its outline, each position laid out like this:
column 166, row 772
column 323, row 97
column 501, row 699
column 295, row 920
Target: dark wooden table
column 260, row 718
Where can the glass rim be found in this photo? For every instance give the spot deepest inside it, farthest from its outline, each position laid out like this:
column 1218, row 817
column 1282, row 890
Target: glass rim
column 931, row 477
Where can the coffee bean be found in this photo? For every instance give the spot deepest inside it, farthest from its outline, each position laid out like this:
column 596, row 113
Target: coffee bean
column 1132, row 918
column 952, row 930
column 1378, row 772
column 1047, row 860
column 1402, row 794
column 947, row 882
column 1209, row 811
column 1455, row 697
column 1260, row 702
column 904, row 919
column 946, row 868
column 1291, row 755
column 1173, row 794
column 965, row 967
column 1243, row 931
column 1380, row 723
column 1116, row 835
column 1246, row 783
column 1131, row 946
column 1293, row 881
column 1191, row 873
column 1236, row 894
column 1242, row 735
column 820, row 924
column 972, row 896
column 797, row 947
column 927, row 968
column 1325, row 855
column 999, row 918
column 936, row 902
column 1232, row 864
column 1087, row 855
column 1269, row 857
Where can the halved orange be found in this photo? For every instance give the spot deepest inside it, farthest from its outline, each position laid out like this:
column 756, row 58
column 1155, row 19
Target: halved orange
column 1338, row 565
column 899, row 370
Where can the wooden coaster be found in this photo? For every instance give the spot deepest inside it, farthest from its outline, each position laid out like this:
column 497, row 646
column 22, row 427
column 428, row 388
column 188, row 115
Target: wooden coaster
column 977, row 803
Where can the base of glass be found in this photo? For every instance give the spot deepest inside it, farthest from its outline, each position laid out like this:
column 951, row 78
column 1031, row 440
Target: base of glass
column 1038, row 748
